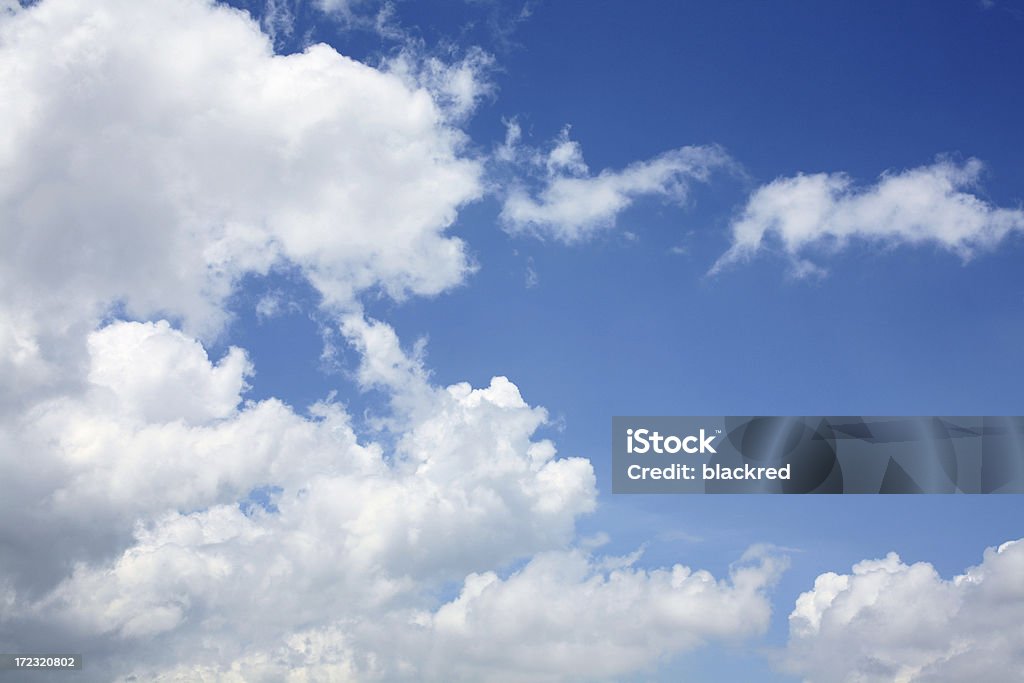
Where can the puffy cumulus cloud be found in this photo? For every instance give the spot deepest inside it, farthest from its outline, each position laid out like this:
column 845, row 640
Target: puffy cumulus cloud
column 153, row 153
column 566, row 616
column 929, row 204
column 351, row 528
column 336, row 573
column 157, row 426
column 573, row 205
column 160, row 374
column 598, row 618
column 889, row 621
column 168, row 433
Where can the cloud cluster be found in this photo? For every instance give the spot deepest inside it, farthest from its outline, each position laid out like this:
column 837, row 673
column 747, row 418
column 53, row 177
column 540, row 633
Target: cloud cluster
column 573, row 205
column 465, row 490
column 925, row 205
column 337, row 572
column 152, row 155
column 888, row 621
column 566, row 615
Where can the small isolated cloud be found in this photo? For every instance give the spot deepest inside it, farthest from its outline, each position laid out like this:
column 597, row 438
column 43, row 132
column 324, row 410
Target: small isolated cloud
column 269, row 305
column 825, row 211
column 338, row 5
column 889, row 621
column 275, row 303
column 681, row 536
column 682, row 248
column 359, row 13
column 572, row 204
column 532, row 277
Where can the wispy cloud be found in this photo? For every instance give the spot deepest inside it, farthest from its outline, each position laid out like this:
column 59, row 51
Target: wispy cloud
column 936, row 204
column 572, row 204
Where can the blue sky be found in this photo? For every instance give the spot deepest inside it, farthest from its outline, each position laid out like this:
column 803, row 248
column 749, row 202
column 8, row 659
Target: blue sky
column 625, row 313
column 859, row 89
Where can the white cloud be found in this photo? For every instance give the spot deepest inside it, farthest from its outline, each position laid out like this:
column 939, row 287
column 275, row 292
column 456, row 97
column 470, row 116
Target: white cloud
column 566, row 157
column 532, row 278
column 278, row 19
column 888, row 621
column 457, row 87
column 925, row 205
column 269, row 306
column 340, row 579
column 160, row 427
column 598, row 618
column 464, row 489
column 510, row 149
column 573, row 204
column 343, row 6
column 566, row 616
column 160, row 375
column 154, row 153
